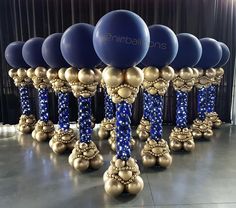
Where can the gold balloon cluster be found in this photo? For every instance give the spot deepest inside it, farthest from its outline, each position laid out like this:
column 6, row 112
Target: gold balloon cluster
column 83, row 82
column 112, row 141
column 62, row 141
column 107, row 125
column 43, row 131
column 219, row 76
column 214, row 119
column 123, row 176
column 156, row 153
column 20, row 77
column 143, row 129
column 185, row 79
column 202, row 129
column 58, row 80
column 26, row 124
column 205, row 78
column 157, row 80
column 182, row 138
column 122, row 85
column 84, row 156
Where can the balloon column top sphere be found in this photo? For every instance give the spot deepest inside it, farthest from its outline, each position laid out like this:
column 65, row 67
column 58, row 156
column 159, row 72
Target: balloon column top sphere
column 77, row 46
column 163, row 46
column 52, row 53
column 225, row 55
column 121, row 39
column 32, row 52
column 211, row 53
column 189, row 52
column 13, row 55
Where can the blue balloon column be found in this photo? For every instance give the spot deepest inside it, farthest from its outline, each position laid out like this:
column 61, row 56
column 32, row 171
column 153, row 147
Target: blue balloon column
column 13, row 55
column 77, row 49
column 64, row 138
column 157, row 76
column 31, row 51
column 113, row 37
column 211, row 55
column 212, row 115
column 189, row 53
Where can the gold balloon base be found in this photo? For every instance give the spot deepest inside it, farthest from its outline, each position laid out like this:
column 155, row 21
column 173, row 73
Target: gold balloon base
column 85, row 156
column 63, row 141
column 112, row 141
column 214, row 118
column 122, row 177
column 26, row 124
column 202, row 129
column 156, row 153
column 181, row 138
column 43, row 131
column 143, row 129
column 107, row 125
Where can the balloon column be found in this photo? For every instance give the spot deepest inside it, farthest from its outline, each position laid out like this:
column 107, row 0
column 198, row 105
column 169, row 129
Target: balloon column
column 44, row 128
column 211, row 90
column 13, row 55
column 211, row 55
column 189, row 53
column 77, row 49
column 64, row 137
column 157, row 76
column 121, row 40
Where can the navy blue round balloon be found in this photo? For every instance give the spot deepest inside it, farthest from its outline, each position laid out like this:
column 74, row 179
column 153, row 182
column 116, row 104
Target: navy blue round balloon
column 189, row 52
column 51, row 51
column 225, row 55
column 211, row 53
column 121, row 39
column 163, row 46
column 32, row 52
column 77, row 46
column 13, row 55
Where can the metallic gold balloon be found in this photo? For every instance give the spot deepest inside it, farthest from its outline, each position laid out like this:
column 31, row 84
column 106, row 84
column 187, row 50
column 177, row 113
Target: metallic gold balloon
column 143, row 135
column 186, row 73
column 200, row 72
column 125, row 174
column 124, row 92
column 149, row 160
column 30, row 73
column 81, row 164
column 196, row 134
column 131, row 162
column 59, row 147
column 195, row 73
column 98, row 75
column 134, row 76
column 208, row 134
column 119, row 163
column 86, row 76
column 165, row 160
column 51, row 74
column 103, row 133
column 175, row 145
column 113, row 187
column 113, row 146
column 21, row 73
column 211, row 73
column 40, row 72
column 189, row 146
column 71, row 75
column 136, row 186
column 160, row 85
column 61, row 73
column 12, row 72
column 33, row 134
column 167, row 73
column 71, row 158
column 40, row 136
column 105, row 177
column 219, row 71
column 217, row 123
column 71, row 145
column 51, row 142
column 96, row 162
column 112, row 77
column 151, row 73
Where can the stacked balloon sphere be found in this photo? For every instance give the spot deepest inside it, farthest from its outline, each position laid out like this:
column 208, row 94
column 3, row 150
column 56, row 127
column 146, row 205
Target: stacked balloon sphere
column 120, row 42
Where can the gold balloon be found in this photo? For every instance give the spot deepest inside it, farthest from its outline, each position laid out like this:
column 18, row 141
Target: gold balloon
column 113, row 187
column 112, row 77
column 51, row 74
column 71, row 158
column 40, row 72
column 195, row 73
column 175, row 145
column 97, row 75
column 160, row 85
column 217, row 123
column 119, row 163
column 197, row 134
column 86, row 76
column 219, row 71
column 186, row 73
column 71, row 75
column 208, row 134
column 189, row 146
column 125, row 174
column 165, row 160
column 30, row 73
column 131, row 162
column 211, row 73
column 113, row 146
column 143, row 135
column 21, row 73
column 97, row 161
column 81, row 164
column 59, row 147
column 105, row 177
column 61, row 73
column 200, row 72
column 12, row 72
column 134, row 76
column 136, row 186
column 124, row 92
column 149, row 160
column 41, row 136
column 51, row 142
column 103, row 133
column 25, row 129
column 151, row 73
column 33, row 134
column 71, row 145
column 167, row 73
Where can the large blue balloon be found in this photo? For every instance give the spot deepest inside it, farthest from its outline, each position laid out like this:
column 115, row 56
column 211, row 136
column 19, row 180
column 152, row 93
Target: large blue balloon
column 189, row 52
column 225, row 55
column 32, row 52
column 77, row 46
column 13, row 55
column 163, row 46
column 51, row 51
column 211, row 53
column 121, row 39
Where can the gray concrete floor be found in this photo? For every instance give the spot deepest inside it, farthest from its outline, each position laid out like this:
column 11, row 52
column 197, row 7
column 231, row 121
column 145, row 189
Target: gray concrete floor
column 31, row 176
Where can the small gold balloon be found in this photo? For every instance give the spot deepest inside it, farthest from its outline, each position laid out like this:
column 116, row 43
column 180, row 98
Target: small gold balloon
column 119, row 163
column 124, row 92
column 21, row 73
column 196, row 134
column 189, row 146
column 97, row 75
column 113, row 187
column 30, row 73
column 175, row 145
column 12, row 72
column 208, row 134
column 71, row 75
column 130, row 162
column 200, row 72
column 71, row 145
column 165, row 160
column 51, row 142
column 186, row 73
column 103, row 133
column 59, row 147
column 86, row 76
column 211, row 73
column 134, row 76
column 195, row 73
column 160, row 85
column 33, row 134
column 136, row 186
column 40, row 72
column 71, row 158
column 217, row 123
column 97, row 161
column 151, row 73
column 41, row 136
column 167, row 73
column 112, row 77
column 51, row 74
column 125, row 174
column 61, row 73
column 81, row 164
column 219, row 71
column 113, row 146
column 149, row 160
column 105, row 177
column 25, row 129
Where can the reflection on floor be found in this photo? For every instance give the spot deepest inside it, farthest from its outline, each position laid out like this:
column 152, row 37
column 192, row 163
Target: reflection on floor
column 31, row 176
